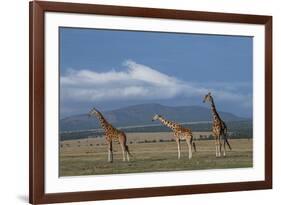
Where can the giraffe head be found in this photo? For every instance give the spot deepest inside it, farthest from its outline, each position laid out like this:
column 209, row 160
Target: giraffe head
column 156, row 117
column 92, row 112
column 207, row 98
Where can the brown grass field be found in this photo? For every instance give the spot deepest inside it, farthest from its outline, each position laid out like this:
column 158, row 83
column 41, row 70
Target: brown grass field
column 152, row 152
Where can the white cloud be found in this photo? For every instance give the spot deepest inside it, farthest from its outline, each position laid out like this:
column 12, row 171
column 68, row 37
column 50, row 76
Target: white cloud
column 136, row 82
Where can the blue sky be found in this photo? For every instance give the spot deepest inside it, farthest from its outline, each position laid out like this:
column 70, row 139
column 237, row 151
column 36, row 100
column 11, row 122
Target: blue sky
column 112, row 69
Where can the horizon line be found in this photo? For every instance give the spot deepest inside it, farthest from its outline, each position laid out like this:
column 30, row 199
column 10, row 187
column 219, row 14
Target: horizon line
column 111, row 110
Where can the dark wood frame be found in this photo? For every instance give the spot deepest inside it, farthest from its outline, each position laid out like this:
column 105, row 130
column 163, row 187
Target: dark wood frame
column 36, row 150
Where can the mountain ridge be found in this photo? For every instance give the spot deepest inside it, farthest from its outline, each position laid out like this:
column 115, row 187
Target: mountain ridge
column 142, row 114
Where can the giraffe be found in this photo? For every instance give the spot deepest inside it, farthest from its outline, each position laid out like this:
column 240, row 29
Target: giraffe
column 111, row 133
column 180, row 132
column 219, row 127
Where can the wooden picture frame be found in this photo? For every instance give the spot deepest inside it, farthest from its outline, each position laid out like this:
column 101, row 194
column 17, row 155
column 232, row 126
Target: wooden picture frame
column 38, row 9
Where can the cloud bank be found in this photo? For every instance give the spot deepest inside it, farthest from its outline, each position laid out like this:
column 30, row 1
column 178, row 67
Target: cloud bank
column 138, row 81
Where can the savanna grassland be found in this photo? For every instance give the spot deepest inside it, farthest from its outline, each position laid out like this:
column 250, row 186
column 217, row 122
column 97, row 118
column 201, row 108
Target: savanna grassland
column 152, row 152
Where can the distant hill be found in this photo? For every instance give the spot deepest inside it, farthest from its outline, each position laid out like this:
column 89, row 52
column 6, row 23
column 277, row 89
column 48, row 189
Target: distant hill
column 142, row 115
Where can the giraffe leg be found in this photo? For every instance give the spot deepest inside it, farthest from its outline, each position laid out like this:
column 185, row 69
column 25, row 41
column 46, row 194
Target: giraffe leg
column 128, row 156
column 179, row 148
column 224, row 153
column 216, row 143
column 110, row 153
column 219, row 146
column 123, row 151
column 127, row 152
column 188, row 141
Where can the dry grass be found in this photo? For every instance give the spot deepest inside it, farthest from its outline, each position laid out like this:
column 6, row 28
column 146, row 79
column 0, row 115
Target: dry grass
column 89, row 156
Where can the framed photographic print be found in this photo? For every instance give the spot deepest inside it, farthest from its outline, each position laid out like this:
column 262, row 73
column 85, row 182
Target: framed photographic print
column 139, row 102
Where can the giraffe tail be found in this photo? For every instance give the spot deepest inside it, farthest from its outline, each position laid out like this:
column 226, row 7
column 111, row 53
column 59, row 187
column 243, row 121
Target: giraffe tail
column 193, row 143
column 194, row 146
column 127, row 150
column 226, row 140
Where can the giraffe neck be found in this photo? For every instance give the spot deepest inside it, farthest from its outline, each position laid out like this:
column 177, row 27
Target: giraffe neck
column 214, row 110
column 167, row 123
column 102, row 120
